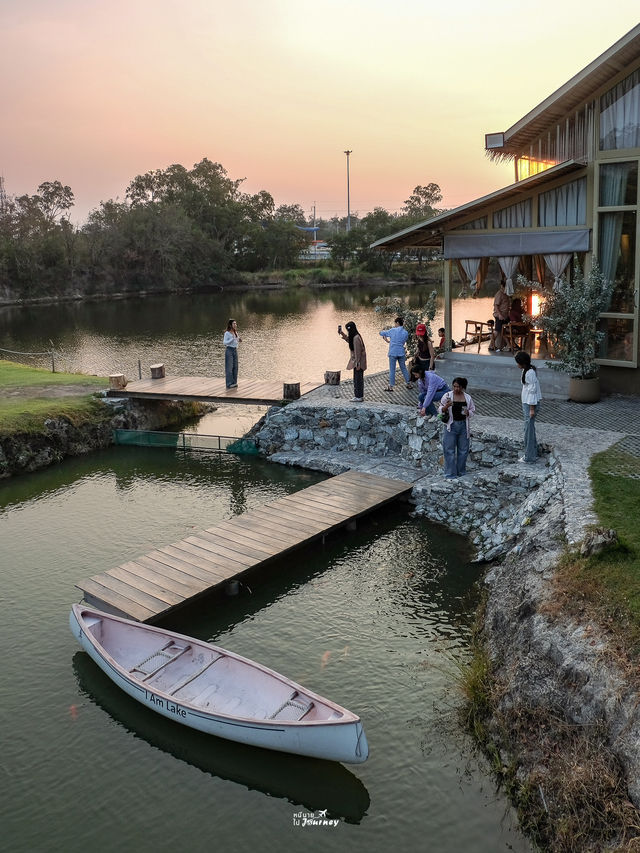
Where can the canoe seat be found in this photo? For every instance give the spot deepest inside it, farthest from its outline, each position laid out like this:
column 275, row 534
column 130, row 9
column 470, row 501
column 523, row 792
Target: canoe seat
column 293, row 709
column 157, row 660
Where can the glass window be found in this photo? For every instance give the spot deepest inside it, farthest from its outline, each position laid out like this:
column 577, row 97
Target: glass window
column 617, row 343
column 617, row 252
column 620, row 115
column 618, row 184
column 565, row 205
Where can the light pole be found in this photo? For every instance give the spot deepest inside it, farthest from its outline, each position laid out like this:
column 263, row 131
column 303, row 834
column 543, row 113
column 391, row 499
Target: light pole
column 348, row 197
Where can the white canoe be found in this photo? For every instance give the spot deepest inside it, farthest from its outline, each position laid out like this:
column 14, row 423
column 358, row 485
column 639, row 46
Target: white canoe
column 216, row 691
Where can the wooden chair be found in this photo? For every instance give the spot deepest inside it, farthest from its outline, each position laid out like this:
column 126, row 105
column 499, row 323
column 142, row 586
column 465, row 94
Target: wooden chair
column 516, row 335
column 477, row 328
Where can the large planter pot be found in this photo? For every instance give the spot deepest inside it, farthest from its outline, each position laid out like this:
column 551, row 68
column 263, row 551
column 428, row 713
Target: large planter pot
column 584, row 390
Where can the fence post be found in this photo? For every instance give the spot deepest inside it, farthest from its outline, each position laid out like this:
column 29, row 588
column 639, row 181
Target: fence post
column 53, row 363
column 139, row 370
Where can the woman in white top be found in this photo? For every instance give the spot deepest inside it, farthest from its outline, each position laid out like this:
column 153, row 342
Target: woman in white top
column 231, row 341
column 531, row 397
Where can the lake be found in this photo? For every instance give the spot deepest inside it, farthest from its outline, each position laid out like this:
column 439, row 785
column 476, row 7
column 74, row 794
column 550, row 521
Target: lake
column 377, row 620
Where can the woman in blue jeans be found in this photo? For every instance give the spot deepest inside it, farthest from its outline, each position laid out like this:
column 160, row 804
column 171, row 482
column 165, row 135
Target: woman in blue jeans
column 530, row 396
column 456, row 407
column 397, row 338
column 231, row 341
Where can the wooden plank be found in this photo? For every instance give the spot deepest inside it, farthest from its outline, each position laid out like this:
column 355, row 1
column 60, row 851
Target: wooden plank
column 144, row 585
column 117, row 599
column 195, row 566
column 259, row 551
column 158, row 574
column 321, row 510
column 288, row 518
column 226, row 552
column 220, row 567
column 253, row 530
column 182, row 580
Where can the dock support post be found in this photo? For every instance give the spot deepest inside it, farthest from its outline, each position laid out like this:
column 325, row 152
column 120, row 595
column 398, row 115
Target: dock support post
column 291, row 391
column 157, row 371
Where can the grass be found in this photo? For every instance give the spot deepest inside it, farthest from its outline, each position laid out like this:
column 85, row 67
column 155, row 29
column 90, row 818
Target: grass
column 26, row 412
column 14, row 375
column 606, row 586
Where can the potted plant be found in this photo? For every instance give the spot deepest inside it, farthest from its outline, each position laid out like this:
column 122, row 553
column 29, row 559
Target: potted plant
column 569, row 317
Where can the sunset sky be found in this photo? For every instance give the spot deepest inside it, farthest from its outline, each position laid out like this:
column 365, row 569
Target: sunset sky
column 95, row 92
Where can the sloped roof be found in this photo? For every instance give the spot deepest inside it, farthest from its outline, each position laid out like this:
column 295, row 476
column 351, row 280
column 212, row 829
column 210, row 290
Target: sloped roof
column 572, row 95
column 429, row 233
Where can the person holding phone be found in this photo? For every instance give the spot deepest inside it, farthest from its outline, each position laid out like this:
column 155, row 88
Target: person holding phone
column 358, row 359
column 456, row 407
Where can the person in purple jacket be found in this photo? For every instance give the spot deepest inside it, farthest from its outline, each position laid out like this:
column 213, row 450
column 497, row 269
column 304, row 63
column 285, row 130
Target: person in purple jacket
column 431, row 388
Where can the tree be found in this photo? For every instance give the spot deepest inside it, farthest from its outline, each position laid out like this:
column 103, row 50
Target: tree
column 422, row 202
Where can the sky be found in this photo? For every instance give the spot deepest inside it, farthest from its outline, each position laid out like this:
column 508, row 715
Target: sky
column 95, row 92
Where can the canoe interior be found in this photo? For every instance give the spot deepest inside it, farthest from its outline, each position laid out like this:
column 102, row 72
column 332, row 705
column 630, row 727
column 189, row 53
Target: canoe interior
column 207, row 678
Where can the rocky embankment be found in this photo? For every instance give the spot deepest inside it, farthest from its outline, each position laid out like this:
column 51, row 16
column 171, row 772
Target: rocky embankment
column 564, row 705
column 60, row 437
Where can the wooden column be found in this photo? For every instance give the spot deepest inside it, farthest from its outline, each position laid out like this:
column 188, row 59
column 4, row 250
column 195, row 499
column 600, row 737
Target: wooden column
column 291, row 391
column 157, row 371
column 332, row 377
column 117, row 381
column 448, row 328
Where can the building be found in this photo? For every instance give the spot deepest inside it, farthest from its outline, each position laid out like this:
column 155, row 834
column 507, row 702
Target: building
column 575, row 198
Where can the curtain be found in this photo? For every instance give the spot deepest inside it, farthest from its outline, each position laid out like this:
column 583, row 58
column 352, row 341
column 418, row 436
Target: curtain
column 557, row 264
column 508, row 267
column 620, row 115
column 470, row 267
column 516, row 216
column 565, row 205
column 613, row 190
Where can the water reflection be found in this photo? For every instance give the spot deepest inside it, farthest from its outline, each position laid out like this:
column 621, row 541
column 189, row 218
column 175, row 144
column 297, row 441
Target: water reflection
column 307, row 782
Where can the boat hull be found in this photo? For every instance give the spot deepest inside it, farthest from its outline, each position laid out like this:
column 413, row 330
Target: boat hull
column 335, row 740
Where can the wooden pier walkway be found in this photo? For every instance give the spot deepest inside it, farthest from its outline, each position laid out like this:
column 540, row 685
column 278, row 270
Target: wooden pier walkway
column 152, row 585
column 209, row 390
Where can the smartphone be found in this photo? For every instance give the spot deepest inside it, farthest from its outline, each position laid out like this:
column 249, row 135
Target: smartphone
column 339, row 329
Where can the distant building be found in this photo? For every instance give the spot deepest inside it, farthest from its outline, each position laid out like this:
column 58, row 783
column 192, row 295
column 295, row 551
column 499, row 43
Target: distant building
column 576, row 158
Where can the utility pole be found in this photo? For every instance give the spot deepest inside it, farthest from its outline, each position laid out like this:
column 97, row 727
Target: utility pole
column 348, row 195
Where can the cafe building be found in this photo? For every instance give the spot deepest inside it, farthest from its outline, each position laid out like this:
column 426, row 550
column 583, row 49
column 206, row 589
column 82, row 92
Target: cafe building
column 576, row 158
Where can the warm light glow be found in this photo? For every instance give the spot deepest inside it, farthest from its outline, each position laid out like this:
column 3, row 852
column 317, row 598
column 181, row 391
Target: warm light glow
column 536, row 304
column 527, row 167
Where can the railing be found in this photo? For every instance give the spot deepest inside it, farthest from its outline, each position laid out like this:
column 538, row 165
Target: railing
column 185, row 441
column 49, row 353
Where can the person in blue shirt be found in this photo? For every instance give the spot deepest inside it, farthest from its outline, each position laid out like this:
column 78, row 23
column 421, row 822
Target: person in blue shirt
column 431, row 389
column 397, row 338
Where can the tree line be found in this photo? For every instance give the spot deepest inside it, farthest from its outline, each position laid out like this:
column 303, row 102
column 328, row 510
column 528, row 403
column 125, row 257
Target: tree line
column 177, row 228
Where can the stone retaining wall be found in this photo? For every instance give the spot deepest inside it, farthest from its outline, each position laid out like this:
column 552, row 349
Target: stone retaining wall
column 491, row 506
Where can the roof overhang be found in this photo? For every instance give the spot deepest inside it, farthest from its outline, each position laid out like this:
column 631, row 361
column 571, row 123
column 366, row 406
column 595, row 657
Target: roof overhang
column 575, row 93
column 429, row 234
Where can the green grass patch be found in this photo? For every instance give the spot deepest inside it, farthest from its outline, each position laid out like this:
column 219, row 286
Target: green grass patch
column 26, row 416
column 14, row 375
column 607, row 585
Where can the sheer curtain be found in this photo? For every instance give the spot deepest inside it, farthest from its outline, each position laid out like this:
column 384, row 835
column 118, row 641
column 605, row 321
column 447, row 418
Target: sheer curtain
column 470, row 267
column 613, row 189
column 565, row 205
column 620, row 115
column 516, row 216
column 557, row 264
column 508, row 267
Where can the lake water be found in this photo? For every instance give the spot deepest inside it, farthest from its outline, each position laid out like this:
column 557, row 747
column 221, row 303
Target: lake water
column 375, row 620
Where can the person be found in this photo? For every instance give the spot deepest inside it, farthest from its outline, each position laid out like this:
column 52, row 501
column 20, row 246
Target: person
column 456, row 407
column 431, row 387
column 358, row 359
column 515, row 312
column 231, row 341
column 425, row 356
column 519, row 329
column 531, row 396
column 396, row 337
column 442, row 343
column 501, row 316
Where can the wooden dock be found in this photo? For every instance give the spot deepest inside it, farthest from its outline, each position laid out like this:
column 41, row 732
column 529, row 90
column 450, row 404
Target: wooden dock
column 209, row 390
column 150, row 586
